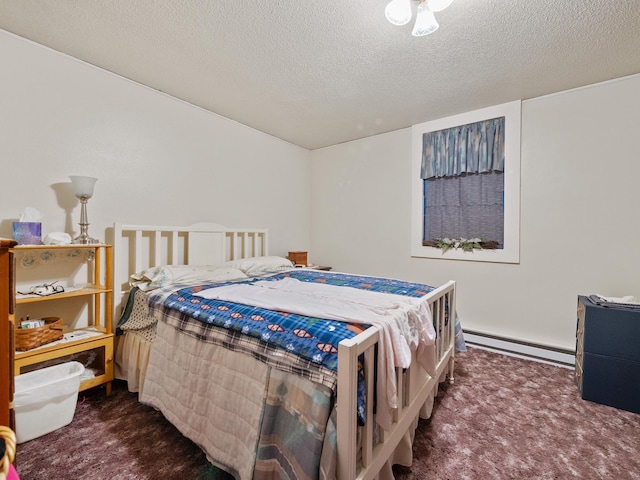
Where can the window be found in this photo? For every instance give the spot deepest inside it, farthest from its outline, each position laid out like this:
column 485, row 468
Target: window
column 467, row 206
column 450, row 194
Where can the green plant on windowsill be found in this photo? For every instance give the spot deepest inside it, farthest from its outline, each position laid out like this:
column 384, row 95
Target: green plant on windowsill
column 466, row 244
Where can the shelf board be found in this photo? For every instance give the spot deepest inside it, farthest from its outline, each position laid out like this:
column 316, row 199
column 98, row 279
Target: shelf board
column 68, row 342
column 59, row 247
column 94, row 382
column 78, row 292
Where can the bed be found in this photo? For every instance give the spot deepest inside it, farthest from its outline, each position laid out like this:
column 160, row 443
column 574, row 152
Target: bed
column 258, row 400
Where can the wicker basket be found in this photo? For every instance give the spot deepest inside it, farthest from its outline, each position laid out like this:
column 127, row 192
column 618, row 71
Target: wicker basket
column 28, row 338
column 9, row 438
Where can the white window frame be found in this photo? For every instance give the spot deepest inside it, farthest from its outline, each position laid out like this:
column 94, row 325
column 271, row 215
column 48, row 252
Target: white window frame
column 511, row 251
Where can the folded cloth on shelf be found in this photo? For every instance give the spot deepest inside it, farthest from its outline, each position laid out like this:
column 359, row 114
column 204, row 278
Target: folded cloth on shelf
column 627, row 300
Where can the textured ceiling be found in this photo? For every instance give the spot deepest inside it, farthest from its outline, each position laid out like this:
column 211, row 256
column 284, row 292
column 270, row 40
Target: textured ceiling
column 318, row 73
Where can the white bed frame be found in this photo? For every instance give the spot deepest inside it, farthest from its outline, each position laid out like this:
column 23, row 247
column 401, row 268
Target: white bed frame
column 141, row 246
column 138, row 247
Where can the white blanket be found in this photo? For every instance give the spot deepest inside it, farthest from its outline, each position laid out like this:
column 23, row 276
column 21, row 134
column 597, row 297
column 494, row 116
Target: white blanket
column 405, row 323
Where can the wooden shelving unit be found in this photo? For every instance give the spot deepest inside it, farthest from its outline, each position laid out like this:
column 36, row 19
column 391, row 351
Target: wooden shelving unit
column 94, row 341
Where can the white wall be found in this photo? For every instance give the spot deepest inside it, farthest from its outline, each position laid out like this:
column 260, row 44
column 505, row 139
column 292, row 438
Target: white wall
column 158, row 160
column 579, row 215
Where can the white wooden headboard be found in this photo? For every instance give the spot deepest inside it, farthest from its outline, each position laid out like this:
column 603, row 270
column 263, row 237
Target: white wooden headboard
column 137, row 247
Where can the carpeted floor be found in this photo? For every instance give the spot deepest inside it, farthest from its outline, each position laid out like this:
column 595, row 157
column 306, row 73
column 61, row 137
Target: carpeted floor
column 504, row 418
column 507, row 418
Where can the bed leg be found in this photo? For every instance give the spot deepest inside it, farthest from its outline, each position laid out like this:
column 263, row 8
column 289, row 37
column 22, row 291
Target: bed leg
column 451, row 366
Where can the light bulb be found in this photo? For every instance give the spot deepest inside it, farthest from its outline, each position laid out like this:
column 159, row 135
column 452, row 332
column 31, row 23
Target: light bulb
column 398, row 12
column 425, row 21
column 438, row 5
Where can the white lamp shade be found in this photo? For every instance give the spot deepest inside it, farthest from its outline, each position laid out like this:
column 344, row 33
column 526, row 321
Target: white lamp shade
column 83, row 186
column 398, row 12
column 425, row 21
column 438, row 5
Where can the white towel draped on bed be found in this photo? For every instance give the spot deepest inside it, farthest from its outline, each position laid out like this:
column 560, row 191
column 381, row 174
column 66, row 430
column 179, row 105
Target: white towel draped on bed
column 405, row 323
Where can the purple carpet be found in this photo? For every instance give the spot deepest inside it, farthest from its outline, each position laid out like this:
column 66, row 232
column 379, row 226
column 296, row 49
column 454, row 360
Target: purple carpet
column 504, row 418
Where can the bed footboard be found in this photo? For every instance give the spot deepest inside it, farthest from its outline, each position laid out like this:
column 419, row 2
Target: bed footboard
column 376, row 448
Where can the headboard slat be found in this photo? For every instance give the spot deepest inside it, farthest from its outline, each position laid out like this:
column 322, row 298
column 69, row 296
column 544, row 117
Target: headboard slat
column 138, row 247
column 157, row 251
column 174, row 248
column 138, row 251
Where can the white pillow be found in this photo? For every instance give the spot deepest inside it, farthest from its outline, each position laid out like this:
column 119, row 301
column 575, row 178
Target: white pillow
column 254, row 266
column 151, row 278
column 157, row 277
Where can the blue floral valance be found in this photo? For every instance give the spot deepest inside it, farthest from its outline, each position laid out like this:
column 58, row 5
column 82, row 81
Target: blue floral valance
column 472, row 148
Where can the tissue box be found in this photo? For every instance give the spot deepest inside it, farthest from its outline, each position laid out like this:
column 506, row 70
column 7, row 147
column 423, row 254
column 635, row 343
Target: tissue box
column 27, row 233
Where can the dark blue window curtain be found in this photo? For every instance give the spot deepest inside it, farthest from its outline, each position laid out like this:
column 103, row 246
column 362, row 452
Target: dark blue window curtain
column 466, row 206
column 462, row 169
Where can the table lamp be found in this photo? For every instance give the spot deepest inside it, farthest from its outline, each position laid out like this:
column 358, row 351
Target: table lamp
column 83, row 189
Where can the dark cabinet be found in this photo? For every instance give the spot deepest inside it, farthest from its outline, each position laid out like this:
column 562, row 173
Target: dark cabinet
column 608, row 354
column 6, row 333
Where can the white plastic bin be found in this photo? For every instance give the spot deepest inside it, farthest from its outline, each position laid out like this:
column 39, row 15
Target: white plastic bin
column 45, row 399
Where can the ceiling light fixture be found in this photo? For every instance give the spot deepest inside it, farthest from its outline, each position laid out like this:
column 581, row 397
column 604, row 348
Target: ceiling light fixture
column 399, row 12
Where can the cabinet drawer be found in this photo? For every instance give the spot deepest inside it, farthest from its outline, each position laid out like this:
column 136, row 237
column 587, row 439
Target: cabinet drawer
column 610, row 381
column 610, row 331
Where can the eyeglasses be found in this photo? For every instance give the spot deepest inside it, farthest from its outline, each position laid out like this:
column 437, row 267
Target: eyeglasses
column 45, row 289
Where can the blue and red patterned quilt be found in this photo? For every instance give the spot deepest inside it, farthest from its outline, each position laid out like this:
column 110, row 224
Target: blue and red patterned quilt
column 313, row 339
column 302, row 345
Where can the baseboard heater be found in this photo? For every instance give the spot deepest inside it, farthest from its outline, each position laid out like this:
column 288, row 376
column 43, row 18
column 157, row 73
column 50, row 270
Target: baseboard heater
column 517, row 348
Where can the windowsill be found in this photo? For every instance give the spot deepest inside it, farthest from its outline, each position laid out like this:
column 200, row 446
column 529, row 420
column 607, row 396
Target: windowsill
column 498, row 255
